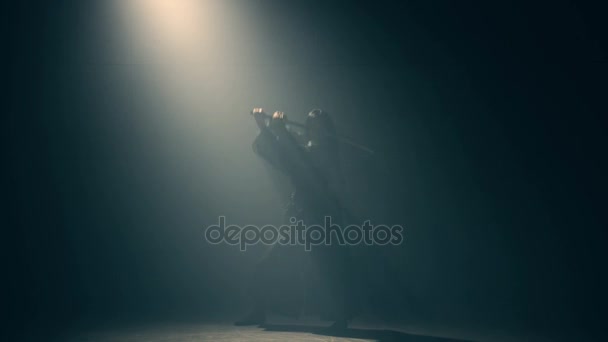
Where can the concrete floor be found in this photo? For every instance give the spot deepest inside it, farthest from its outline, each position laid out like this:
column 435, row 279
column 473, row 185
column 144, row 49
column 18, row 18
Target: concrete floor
column 283, row 331
column 229, row 333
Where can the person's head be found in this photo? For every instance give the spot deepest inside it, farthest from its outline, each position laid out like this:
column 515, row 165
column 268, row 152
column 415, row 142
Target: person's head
column 320, row 127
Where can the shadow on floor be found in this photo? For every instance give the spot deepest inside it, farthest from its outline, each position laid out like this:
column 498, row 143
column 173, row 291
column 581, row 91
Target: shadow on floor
column 371, row 334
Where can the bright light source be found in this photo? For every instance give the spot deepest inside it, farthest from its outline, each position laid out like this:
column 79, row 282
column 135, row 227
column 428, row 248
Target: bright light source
column 177, row 23
column 188, row 51
column 182, row 29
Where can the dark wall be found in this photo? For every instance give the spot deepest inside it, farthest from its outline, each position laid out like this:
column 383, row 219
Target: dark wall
column 489, row 126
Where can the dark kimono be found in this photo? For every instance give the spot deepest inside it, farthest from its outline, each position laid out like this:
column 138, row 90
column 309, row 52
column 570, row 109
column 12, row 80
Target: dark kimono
column 281, row 283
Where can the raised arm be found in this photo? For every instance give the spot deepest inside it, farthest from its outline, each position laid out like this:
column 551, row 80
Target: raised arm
column 274, row 143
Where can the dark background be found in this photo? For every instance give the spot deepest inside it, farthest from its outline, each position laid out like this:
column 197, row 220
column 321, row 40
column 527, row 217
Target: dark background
column 488, row 122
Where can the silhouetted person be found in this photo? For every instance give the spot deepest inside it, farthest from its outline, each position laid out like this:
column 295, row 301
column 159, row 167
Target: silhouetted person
column 313, row 168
